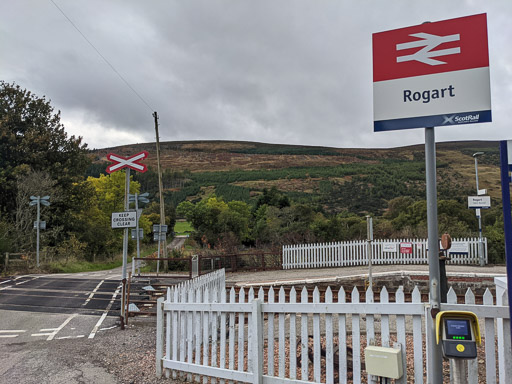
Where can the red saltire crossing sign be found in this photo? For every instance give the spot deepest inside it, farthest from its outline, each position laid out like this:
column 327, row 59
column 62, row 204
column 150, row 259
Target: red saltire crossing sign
column 131, row 162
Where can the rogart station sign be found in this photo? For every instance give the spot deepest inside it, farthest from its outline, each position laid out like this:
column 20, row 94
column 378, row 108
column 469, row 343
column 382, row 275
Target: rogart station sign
column 432, row 75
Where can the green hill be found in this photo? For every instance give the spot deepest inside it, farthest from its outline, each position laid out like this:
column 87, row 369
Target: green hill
column 337, row 179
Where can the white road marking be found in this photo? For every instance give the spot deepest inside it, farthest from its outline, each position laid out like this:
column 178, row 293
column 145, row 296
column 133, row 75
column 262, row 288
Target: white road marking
column 10, row 333
column 20, row 277
column 23, row 282
column 40, row 334
column 106, row 329
column 96, row 327
column 47, row 329
column 6, row 281
column 61, row 326
column 70, row 337
column 92, row 293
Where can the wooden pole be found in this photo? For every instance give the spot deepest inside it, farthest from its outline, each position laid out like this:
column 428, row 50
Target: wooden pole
column 160, row 191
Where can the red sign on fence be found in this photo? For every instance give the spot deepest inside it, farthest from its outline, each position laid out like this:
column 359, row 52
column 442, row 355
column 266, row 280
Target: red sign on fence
column 406, row 248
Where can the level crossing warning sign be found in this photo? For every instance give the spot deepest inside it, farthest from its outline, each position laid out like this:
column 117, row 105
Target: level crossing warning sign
column 132, row 162
column 433, row 74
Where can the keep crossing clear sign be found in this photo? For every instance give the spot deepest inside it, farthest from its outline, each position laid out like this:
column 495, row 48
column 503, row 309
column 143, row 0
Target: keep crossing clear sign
column 124, row 219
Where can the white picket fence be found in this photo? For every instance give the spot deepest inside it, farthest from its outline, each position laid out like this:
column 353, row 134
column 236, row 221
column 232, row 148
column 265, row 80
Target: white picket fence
column 248, row 336
column 353, row 253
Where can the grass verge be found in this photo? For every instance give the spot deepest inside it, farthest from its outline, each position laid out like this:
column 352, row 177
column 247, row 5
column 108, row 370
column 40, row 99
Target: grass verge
column 183, row 228
column 83, row 266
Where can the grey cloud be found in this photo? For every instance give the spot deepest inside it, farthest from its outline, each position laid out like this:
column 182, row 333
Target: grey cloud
column 288, row 71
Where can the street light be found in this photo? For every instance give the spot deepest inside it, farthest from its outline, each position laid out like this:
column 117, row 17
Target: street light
column 477, row 211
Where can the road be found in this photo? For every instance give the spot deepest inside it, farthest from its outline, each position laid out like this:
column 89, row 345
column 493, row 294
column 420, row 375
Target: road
column 52, row 307
column 64, row 328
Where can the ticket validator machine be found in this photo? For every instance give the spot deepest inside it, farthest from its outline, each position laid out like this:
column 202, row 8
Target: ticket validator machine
column 459, row 334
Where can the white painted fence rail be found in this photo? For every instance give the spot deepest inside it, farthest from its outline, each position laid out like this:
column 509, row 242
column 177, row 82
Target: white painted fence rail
column 249, row 336
column 352, row 253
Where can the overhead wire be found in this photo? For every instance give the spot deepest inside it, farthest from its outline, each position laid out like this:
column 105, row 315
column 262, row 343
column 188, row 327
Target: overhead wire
column 103, row 57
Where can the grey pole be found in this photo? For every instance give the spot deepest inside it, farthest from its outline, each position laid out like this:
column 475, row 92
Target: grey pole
column 159, row 244
column 479, row 215
column 137, row 234
column 125, row 246
column 436, row 356
column 126, row 233
column 369, row 233
column 38, row 220
column 137, row 228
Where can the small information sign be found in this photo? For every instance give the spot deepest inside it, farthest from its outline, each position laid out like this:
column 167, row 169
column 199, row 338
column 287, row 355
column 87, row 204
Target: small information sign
column 389, row 247
column 460, row 247
column 479, row 202
column 406, row 248
column 124, row 219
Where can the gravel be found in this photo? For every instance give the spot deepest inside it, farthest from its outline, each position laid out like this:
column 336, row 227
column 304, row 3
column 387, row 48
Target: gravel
column 112, row 357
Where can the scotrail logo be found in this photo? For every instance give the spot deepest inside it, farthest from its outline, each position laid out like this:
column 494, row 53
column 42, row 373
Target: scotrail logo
column 457, row 119
column 429, row 42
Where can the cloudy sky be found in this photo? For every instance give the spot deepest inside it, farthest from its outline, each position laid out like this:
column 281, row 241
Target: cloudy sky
column 287, row 71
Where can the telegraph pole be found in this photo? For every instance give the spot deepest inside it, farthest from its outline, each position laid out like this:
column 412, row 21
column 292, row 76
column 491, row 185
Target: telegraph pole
column 160, row 191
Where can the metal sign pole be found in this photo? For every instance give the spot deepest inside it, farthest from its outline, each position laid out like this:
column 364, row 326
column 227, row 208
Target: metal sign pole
column 436, row 355
column 507, row 219
column 37, row 230
column 478, row 212
column 137, row 227
column 159, row 245
column 369, row 233
column 125, row 244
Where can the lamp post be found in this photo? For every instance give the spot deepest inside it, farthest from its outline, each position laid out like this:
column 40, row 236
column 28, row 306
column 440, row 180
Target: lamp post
column 478, row 214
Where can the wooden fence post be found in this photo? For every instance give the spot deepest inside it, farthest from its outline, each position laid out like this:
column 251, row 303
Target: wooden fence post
column 257, row 342
column 159, row 336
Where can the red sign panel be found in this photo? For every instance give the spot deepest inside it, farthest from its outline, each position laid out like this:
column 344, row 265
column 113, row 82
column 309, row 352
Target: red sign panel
column 406, row 248
column 131, row 162
column 430, row 48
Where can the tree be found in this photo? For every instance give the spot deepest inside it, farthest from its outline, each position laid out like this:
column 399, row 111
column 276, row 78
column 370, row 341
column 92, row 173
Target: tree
column 32, row 139
column 185, row 209
column 93, row 219
column 272, row 197
column 33, row 184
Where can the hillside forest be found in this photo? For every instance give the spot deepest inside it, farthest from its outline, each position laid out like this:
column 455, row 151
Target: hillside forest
column 235, row 195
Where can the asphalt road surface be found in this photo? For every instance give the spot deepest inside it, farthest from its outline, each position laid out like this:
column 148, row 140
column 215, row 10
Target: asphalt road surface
column 52, row 307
